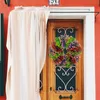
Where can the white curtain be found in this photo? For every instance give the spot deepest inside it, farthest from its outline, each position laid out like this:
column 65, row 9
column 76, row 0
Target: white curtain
column 26, row 44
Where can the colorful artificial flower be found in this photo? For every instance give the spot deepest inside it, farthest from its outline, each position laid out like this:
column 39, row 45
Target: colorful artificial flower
column 65, row 51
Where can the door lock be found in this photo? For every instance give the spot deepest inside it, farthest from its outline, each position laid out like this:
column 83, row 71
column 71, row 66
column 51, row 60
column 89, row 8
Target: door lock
column 50, row 88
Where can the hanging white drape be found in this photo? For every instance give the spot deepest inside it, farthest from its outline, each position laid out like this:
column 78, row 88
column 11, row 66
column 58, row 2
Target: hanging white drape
column 26, row 44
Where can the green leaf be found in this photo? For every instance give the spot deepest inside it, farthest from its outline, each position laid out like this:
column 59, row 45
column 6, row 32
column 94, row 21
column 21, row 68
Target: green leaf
column 58, row 43
column 70, row 40
column 55, row 56
column 68, row 65
column 52, row 56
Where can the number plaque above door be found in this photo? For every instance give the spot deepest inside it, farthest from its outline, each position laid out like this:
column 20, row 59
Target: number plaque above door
column 54, row 2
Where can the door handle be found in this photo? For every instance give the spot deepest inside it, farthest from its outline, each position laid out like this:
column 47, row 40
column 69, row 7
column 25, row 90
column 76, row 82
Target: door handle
column 65, row 97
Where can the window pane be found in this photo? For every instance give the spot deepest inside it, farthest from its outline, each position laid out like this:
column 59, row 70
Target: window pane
column 65, row 77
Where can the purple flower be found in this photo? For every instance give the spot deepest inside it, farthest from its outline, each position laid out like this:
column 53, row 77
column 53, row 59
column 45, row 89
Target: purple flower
column 77, row 58
column 63, row 43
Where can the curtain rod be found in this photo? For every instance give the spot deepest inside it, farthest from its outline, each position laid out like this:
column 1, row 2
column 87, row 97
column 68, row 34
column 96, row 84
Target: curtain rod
column 74, row 12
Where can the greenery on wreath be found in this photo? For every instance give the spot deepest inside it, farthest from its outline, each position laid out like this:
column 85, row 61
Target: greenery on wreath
column 65, row 50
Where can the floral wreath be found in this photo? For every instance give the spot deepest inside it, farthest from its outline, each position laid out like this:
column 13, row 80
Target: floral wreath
column 65, row 50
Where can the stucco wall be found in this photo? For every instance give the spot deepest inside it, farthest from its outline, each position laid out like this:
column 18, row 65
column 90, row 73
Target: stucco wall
column 5, row 9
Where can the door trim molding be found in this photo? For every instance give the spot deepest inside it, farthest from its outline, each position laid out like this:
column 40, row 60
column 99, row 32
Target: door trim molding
column 89, row 43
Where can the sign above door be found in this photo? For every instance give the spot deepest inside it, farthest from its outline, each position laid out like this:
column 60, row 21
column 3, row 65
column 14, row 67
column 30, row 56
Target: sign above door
column 54, row 2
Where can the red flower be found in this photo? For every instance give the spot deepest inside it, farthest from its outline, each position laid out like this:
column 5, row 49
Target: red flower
column 73, row 60
column 57, row 61
column 77, row 49
column 61, row 57
column 55, row 48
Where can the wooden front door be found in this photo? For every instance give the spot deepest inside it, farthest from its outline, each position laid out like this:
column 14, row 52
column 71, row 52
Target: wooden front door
column 60, row 83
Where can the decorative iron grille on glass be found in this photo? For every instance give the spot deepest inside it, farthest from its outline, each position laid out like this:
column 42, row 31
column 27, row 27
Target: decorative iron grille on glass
column 65, row 77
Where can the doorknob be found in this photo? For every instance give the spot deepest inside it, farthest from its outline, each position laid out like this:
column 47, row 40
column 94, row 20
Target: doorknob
column 65, row 97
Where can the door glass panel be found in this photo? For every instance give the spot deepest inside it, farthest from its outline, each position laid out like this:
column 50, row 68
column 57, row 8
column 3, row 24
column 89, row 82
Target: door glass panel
column 41, row 81
column 65, row 77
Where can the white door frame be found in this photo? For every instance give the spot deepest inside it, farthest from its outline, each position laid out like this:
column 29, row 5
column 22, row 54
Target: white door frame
column 89, row 42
